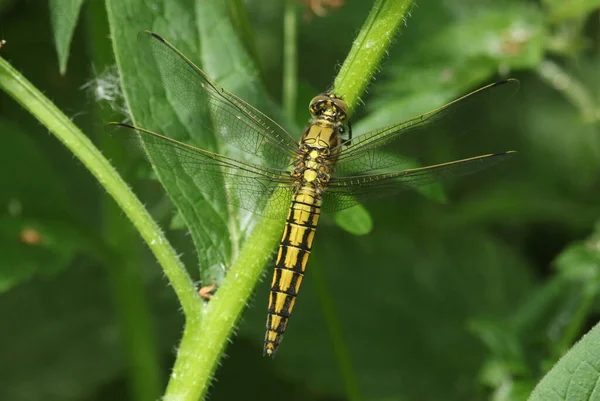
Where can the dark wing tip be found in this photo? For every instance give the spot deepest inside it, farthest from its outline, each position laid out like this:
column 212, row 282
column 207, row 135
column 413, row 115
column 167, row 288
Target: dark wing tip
column 121, row 124
column 515, row 80
column 146, row 33
column 513, row 83
column 507, row 154
column 157, row 36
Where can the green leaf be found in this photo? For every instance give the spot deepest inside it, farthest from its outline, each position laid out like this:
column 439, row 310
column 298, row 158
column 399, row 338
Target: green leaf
column 64, row 14
column 575, row 377
column 355, row 220
column 177, row 222
column 215, row 228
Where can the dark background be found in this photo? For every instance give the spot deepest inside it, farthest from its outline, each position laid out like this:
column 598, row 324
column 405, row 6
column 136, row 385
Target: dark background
column 454, row 300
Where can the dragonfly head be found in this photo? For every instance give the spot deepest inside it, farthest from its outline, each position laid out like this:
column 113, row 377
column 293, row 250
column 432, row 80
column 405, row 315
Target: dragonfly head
column 328, row 106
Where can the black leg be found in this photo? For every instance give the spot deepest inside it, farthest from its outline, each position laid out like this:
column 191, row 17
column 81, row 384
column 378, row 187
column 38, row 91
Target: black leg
column 349, row 131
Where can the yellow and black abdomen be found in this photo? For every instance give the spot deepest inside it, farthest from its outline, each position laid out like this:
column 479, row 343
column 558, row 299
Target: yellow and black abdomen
column 294, row 251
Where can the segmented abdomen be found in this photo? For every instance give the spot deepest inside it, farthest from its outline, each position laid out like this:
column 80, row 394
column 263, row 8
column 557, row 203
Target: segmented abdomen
column 294, row 251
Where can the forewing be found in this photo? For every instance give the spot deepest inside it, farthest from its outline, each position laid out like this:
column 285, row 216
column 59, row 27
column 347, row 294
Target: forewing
column 344, row 192
column 245, row 185
column 418, row 139
column 195, row 97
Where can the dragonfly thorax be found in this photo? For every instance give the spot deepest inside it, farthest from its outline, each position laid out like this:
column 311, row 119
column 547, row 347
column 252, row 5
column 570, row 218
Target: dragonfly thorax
column 313, row 166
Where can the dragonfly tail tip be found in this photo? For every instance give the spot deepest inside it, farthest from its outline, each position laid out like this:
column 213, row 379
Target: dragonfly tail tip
column 269, row 350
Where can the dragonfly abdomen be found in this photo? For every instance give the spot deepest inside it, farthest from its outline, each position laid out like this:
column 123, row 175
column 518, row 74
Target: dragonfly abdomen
column 294, row 251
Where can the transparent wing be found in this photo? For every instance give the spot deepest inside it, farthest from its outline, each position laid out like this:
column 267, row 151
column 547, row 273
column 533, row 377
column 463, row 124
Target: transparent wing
column 198, row 99
column 246, row 185
column 344, row 192
column 417, row 139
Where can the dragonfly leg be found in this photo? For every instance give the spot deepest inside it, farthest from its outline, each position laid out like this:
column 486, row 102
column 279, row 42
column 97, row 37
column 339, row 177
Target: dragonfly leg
column 349, row 131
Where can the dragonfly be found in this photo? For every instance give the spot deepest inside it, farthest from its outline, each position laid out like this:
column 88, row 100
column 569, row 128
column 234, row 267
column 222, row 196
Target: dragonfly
column 327, row 170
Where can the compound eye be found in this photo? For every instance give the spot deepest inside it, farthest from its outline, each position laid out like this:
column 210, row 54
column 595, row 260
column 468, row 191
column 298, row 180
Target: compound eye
column 341, row 105
column 317, row 99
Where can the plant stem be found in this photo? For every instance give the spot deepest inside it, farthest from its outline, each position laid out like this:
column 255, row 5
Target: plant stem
column 374, row 39
column 290, row 59
column 61, row 126
column 124, row 266
column 571, row 88
column 203, row 344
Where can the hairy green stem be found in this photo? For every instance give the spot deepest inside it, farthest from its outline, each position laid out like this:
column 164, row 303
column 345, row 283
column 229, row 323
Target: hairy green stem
column 124, row 267
column 203, row 344
column 13, row 83
column 371, row 44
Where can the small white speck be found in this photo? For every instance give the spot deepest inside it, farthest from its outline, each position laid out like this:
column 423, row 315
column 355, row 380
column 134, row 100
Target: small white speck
column 370, row 44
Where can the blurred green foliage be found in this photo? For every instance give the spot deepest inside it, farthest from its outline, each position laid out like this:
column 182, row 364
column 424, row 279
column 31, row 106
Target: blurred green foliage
column 473, row 299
